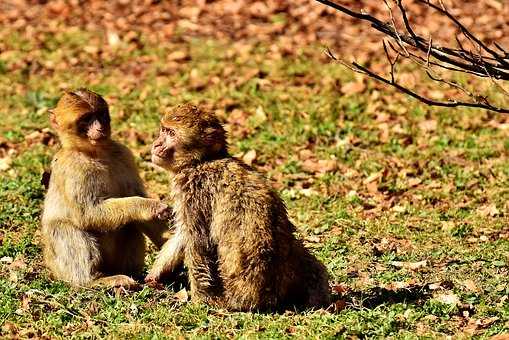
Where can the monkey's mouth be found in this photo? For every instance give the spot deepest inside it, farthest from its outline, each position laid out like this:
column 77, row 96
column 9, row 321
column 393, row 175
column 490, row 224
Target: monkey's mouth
column 95, row 135
column 162, row 155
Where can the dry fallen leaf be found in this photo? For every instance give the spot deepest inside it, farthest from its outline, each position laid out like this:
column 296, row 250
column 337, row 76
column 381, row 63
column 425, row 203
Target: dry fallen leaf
column 339, row 305
column 474, row 325
column 18, row 263
column 113, row 38
column 428, row 125
column 372, row 187
column 312, row 238
column 449, row 299
column 353, row 87
column 397, row 285
column 398, row 208
column 471, row 286
column 249, row 157
column 305, row 154
column 9, row 328
column 319, row 166
column 5, row 163
column 6, row 259
column 196, row 80
column 372, row 177
column 182, row 295
column 238, row 117
column 258, row 118
column 490, row 210
column 25, row 302
column 177, row 55
column 412, row 182
column 44, row 136
column 409, row 265
column 291, row 330
column 340, row 288
column 498, row 5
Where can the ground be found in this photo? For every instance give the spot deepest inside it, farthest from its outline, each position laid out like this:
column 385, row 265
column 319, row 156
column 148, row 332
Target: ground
column 406, row 205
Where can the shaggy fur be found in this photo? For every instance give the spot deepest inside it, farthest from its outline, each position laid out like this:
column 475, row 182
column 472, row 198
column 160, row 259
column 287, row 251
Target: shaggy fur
column 232, row 229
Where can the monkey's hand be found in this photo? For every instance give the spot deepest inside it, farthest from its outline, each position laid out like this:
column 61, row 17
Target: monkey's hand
column 154, row 209
column 152, row 279
column 164, row 212
column 153, row 283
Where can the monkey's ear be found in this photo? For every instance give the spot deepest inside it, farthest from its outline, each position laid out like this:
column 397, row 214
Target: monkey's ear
column 53, row 119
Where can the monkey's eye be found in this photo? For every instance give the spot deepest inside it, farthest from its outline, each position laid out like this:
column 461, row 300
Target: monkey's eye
column 168, row 131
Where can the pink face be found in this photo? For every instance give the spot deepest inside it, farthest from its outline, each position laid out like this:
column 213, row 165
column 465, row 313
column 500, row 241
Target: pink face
column 94, row 126
column 163, row 148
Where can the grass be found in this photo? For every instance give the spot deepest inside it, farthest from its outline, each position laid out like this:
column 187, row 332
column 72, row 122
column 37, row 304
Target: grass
column 408, row 183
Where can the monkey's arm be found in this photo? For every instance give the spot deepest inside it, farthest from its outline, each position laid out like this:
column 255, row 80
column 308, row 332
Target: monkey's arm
column 192, row 241
column 82, row 193
column 113, row 213
column 169, row 258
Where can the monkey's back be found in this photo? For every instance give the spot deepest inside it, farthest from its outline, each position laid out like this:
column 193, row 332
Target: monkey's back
column 71, row 251
column 261, row 265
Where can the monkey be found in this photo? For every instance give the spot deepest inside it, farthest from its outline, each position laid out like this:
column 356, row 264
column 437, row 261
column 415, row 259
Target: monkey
column 232, row 229
column 95, row 209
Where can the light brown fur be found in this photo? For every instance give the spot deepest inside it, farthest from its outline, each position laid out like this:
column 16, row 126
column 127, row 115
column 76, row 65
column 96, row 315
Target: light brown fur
column 95, row 208
column 232, row 229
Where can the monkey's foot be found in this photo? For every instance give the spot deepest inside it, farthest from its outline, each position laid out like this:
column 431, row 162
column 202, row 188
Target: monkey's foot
column 152, row 282
column 113, row 281
column 152, row 278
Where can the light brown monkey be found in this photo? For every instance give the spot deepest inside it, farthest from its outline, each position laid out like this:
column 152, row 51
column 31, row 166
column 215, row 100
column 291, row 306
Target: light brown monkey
column 95, row 208
column 232, row 229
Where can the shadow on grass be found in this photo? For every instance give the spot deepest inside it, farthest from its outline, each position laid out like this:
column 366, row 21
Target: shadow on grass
column 376, row 296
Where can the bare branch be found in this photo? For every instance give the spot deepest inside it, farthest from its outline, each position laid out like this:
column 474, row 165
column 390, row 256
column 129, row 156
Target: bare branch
column 465, row 31
column 450, row 103
column 482, row 62
column 456, row 57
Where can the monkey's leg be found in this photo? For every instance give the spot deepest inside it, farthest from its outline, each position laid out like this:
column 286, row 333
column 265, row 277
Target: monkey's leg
column 115, row 281
column 202, row 262
column 169, row 258
column 72, row 255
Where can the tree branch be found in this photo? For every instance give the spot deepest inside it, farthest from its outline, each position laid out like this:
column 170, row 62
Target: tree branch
column 484, row 62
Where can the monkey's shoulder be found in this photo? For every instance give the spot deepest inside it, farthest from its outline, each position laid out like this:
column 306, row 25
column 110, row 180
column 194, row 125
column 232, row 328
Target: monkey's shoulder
column 218, row 172
column 239, row 174
column 73, row 169
column 236, row 180
column 71, row 161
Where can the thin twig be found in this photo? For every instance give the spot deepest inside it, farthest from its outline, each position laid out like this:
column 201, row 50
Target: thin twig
column 450, row 103
column 465, row 31
column 455, row 57
column 481, row 62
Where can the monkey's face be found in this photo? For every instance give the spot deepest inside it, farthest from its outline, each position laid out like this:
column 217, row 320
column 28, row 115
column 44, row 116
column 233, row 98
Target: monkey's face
column 94, row 126
column 83, row 114
column 164, row 147
column 188, row 136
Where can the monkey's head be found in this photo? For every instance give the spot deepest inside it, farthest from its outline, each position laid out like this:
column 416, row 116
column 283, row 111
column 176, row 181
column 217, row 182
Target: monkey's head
column 188, row 136
column 81, row 118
